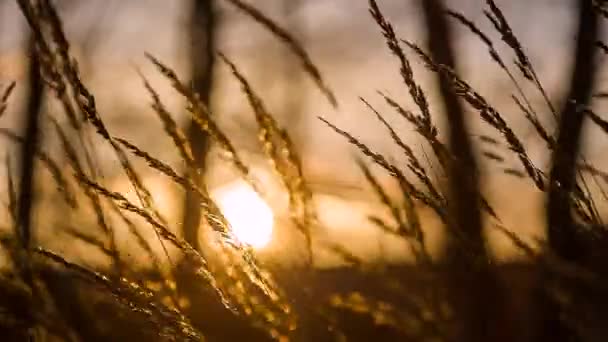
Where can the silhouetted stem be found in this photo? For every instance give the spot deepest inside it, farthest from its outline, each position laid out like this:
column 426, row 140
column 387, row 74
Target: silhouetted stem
column 562, row 235
column 202, row 59
column 472, row 282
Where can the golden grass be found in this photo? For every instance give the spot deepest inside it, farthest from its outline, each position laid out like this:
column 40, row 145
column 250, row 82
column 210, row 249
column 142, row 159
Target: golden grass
column 228, row 271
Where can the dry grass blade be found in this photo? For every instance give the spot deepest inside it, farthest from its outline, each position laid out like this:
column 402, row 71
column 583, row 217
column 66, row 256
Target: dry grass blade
column 384, row 226
column 283, row 157
column 245, row 263
column 392, row 170
column 143, row 194
column 5, row 96
column 88, row 239
column 541, row 131
column 376, row 157
column 51, row 72
column 500, row 23
column 66, row 64
column 516, row 240
column 57, row 174
column 198, row 261
column 133, row 296
column 201, row 115
column 61, row 73
column 494, row 55
column 268, row 127
column 345, row 254
column 407, row 74
column 423, row 122
column 46, row 14
column 487, row 208
column 212, row 214
column 125, row 204
column 410, row 230
column 170, row 126
column 476, row 31
column 102, row 221
column 12, row 192
column 487, row 113
column 602, row 95
column 292, row 44
column 384, row 198
column 418, row 241
column 8, row 91
column 75, row 164
column 413, row 163
column 488, row 140
column 601, row 123
column 59, row 64
column 216, row 221
column 514, row 172
column 426, row 129
column 595, row 171
column 493, row 156
column 156, row 262
column 141, row 241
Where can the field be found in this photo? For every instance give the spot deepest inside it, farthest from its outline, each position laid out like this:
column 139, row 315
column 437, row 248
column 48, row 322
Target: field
column 436, row 174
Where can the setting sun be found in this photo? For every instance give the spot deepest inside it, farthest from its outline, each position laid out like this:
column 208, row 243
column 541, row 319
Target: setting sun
column 249, row 215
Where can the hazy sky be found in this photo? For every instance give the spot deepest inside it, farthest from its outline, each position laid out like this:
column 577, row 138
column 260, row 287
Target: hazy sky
column 109, row 37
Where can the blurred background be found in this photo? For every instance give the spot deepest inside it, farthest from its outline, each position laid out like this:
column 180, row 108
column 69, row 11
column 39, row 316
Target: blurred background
column 109, row 39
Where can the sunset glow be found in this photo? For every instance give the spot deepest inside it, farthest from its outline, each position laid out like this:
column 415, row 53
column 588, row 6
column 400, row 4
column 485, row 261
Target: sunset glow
column 249, row 215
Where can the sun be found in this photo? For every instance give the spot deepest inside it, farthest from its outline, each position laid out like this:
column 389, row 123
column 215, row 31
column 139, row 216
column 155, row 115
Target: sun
column 250, row 217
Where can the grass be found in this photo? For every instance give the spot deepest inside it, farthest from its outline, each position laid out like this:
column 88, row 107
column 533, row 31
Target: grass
column 220, row 290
